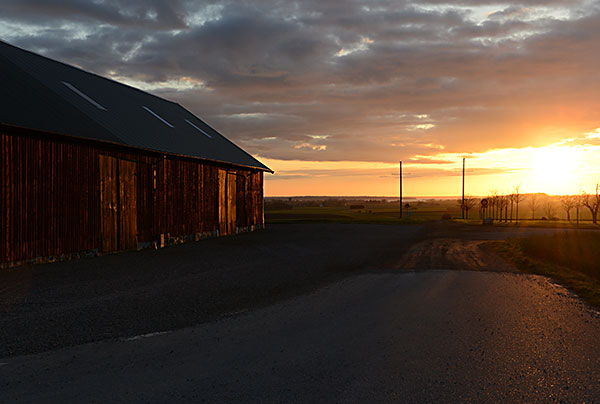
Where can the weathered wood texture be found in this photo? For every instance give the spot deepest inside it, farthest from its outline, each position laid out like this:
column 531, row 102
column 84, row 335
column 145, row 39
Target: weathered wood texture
column 61, row 196
column 231, row 202
column 127, row 205
column 109, row 239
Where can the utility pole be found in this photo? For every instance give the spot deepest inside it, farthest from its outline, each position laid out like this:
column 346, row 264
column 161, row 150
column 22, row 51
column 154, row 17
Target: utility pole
column 400, row 172
column 462, row 206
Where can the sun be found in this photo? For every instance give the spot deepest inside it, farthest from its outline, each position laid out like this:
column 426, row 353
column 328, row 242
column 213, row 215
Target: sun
column 554, row 169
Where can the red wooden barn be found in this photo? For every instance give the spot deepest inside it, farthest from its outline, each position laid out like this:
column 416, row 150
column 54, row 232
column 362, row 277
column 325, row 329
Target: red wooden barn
column 90, row 165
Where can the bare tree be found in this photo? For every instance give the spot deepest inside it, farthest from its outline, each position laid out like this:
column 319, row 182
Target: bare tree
column 461, row 206
column 469, row 204
column 534, row 202
column 504, row 207
column 511, row 199
column 493, row 202
column 498, row 204
column 578, row 204
column 518, row 197
column 568, row 202
column 495, row 213
column 549, row 209
column 592, row 202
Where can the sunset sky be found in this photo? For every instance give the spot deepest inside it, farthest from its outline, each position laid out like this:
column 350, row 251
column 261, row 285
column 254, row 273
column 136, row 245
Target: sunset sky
column 332, row 94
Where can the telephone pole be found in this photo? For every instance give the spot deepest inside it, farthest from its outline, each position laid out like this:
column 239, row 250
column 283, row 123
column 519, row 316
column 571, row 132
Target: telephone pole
column 400, row 189
column 462, row 206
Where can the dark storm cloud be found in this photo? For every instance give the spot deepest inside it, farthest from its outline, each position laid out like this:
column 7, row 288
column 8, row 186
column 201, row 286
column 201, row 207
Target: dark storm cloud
column 331, row 80
column 154, row 13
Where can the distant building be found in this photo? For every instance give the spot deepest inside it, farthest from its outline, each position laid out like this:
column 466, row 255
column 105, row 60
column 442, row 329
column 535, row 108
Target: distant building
column 89, row 165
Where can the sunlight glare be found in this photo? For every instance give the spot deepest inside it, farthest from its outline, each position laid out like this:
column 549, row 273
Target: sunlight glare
column 554, row 168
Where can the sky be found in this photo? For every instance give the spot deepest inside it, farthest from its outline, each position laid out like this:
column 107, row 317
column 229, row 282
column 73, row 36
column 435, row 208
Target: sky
column 331, row 94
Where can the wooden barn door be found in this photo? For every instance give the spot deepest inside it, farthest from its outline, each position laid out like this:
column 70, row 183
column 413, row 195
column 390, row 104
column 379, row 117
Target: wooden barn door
column 118, row 204
column 226, row 202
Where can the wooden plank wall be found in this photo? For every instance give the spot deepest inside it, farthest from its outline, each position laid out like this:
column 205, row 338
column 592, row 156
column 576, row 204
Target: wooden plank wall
column 50, row 196
column 222, row 204
column 128, row 205
column 231, row 201
column 249, row 198
column 107, row 176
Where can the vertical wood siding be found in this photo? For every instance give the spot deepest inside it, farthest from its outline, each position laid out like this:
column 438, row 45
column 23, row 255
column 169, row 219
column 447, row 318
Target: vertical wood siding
column 50, row 200
column 108, row 203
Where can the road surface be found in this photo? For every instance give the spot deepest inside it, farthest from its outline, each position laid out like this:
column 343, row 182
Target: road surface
column 388, row 334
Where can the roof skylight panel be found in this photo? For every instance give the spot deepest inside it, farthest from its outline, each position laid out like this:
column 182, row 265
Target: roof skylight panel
column 83, row 95
column 198, row 129
column 158, row 116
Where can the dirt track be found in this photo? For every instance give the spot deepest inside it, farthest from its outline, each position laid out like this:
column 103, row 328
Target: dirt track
column 453, row 254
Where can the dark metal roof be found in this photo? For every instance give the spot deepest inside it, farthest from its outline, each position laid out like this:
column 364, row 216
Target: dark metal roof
column 44, row 94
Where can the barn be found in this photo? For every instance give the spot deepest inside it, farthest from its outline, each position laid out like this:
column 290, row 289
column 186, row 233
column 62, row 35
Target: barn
column 92, row 166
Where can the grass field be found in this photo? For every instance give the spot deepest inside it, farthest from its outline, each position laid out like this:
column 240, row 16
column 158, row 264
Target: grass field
column 560, row 224
column 572, row 258
column 386, row 214
column 376, row 213
column 345, row 215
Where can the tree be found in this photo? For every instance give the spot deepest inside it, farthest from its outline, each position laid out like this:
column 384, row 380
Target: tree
column 534, row 202
column 578, row 204
column 568, row 202
column 592, row 202
column 470, row 203
column 518, row 197
column 503, row 202
column 492, row 203
column 511, row 199
column 549, row 209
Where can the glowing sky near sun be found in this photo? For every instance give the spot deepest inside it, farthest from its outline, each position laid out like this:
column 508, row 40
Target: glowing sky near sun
column 331, row 94
column 568, row 167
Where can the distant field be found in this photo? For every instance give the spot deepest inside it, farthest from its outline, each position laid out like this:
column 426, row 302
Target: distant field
column 386, row 214
column 561, row 224
column 381, row 210
column 368, row 214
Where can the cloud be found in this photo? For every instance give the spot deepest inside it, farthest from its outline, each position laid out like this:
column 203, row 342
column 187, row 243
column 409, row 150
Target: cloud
column 156, row 14
column 333, row 81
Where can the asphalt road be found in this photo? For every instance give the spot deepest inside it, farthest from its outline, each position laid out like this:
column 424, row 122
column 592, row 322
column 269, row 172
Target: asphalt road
column 345, row 315
column 440, row 336
column 45, row 307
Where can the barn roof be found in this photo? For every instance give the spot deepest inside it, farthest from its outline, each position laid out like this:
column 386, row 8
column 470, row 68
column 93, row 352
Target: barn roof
column 41, row 93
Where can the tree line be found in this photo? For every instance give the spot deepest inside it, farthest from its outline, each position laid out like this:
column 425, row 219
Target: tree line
column 505, row 207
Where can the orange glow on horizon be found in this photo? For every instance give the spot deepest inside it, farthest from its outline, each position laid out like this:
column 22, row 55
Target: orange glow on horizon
column 563, row 168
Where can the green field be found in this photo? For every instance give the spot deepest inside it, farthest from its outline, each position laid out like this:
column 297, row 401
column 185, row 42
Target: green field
column 369, row 214
column 560, row 224
column 388, row 213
